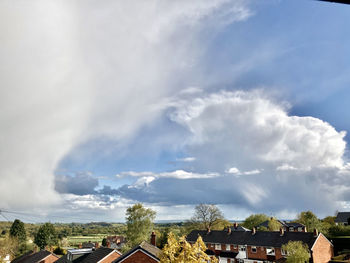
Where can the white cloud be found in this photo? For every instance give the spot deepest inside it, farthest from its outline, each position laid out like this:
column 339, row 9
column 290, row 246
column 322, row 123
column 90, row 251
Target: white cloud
column 178, row 174
column 187, row 159
column 72, row 72
column 236, row 171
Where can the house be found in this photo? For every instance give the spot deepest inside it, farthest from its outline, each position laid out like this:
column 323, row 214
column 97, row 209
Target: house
column 43, row 256
column 143, row 253
column 90, row 255
column 287, row 226
column 343, row 218
column 261, row 246
column 116, row 242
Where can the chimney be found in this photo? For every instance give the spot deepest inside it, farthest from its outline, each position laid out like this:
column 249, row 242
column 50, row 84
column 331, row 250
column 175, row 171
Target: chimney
column 315, row 232
column 80, row 245
column 229, row 230
column 235, row 225
column 253, row 231
column 208, row 230
column 153, row 239
column 97, row 245
column 108, row 244
column 281, row 231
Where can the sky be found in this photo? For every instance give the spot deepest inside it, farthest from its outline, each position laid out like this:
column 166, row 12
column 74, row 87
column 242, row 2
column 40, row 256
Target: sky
column 238, row 103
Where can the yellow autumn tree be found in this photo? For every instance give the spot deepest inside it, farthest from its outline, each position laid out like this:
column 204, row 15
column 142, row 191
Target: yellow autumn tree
column 180, row 251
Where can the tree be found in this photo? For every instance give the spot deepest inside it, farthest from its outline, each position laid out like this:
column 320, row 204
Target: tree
column 254, row 220
column 297, row 252
column 274, row 225
column 139, row 221
column 104, row 242
column 207, row 216
column 18, row 231
column 46, row 236
column 309, row 219
column 179, row 251
column 8, row 246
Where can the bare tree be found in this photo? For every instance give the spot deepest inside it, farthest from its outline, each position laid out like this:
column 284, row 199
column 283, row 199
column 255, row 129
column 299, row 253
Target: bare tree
column 207, row 215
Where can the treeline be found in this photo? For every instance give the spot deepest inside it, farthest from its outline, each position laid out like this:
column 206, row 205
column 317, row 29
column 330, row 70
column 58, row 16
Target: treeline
column 20, row 237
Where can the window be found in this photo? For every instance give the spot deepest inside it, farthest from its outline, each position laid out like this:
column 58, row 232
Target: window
column 241, row 248
column 253, row 249
column 228, row 247
column 283, row 252
column 217, row 247
column 300, row 229
column 291, row 229
column 270, row 251
column 235, row 246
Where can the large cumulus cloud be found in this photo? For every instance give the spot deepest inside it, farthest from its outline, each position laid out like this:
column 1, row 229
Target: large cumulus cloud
column 265, row 159
column 74, row 71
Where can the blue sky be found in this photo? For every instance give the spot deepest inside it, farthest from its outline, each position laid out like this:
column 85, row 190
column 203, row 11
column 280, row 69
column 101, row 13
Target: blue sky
column 238, row 103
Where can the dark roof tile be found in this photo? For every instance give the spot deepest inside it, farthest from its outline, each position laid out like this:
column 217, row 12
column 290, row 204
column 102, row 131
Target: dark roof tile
column 260, row 238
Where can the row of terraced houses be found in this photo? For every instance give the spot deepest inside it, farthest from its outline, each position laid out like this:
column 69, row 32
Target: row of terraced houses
column 235, row 244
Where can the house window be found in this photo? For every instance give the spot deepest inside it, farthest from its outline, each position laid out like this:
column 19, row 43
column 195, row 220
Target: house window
column 235, row 246
column 291, row 229
column 217, row 247
column 283, row 252
column 228, row 247
column 241, row 248
column 270, row 251
column 300, row 229
column 253, row 249
column 240, row 260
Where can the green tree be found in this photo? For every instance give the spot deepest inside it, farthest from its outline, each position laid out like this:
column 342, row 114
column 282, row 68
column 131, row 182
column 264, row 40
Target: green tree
column 104, row 242
column 46, row 236
column 139, row 221
column 8, row 246
column 18, row 231
column 297, row 252
column 309, row 219
column 208, row 217
column 179, row 251
column 254, row 220
column 274, row 224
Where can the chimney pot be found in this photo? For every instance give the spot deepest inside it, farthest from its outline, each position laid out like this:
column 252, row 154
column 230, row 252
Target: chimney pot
column 153, row 239
column 208, row 230
column 281, row 231
column 253, row 231
column 235, row 225
column 229, row 230
column 315, row 232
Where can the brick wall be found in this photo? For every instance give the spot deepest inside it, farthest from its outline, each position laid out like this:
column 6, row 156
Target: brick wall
column 111, row 258
column 322, row 251
column 260, row 253
column 139, row 257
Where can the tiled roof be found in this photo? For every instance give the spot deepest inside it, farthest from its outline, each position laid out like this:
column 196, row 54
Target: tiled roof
column 92, row 257
column 97, row 255
column 239, row 228
column 144, row 246
column 260, row 238
column 342, row 217
column 31, row 257
column 64, row 259
column 228, row 254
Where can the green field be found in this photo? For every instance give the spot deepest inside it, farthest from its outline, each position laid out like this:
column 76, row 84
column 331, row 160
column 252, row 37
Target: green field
column 76, row 240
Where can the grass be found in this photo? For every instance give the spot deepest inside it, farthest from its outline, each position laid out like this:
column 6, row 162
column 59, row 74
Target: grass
column 75, row 240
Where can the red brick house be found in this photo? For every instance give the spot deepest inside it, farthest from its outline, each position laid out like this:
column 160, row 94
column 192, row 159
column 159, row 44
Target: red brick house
column 143, row 253
column 260, row 247
column 43, row 256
